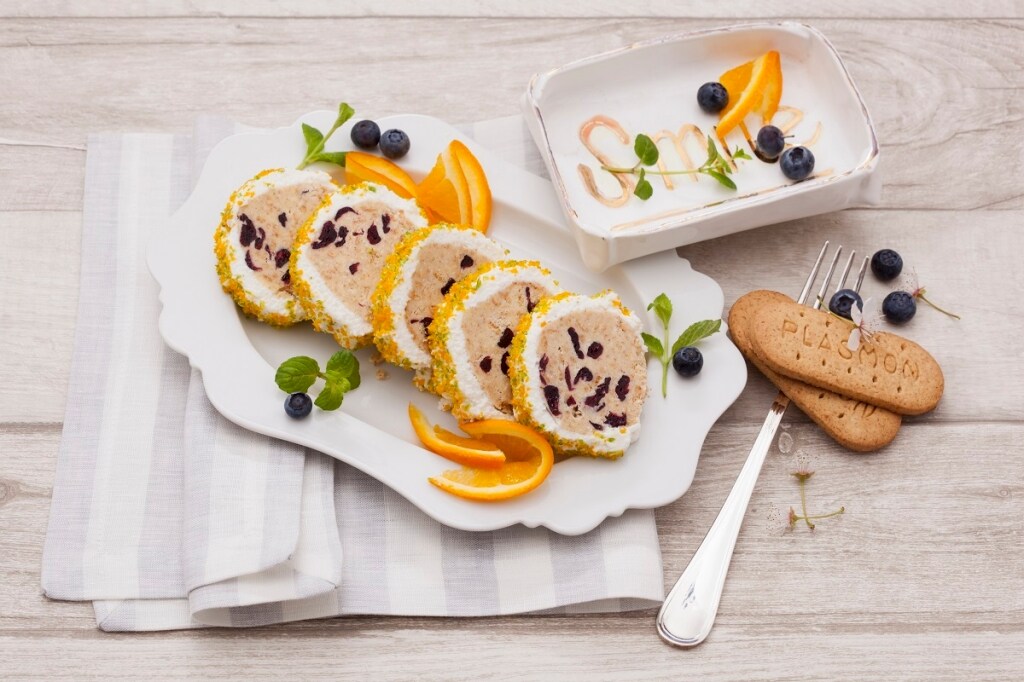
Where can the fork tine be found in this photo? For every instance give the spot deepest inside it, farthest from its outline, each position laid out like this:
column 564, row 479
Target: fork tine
column 814, row 274
column 828, row 278
column 846, row 271
column 861, row 273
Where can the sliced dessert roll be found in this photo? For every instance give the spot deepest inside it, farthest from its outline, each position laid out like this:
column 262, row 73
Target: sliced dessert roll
column 254, row 240
column 417, row 275
column 472, row 332
column 339, row 254
column 579, row 374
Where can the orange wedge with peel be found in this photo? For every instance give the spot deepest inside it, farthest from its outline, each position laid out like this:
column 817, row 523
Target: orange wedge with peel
column 360, row 167
column 445, row 192
column 528, row 461
column 476, row 180
column 754, row 87
column 465, row 451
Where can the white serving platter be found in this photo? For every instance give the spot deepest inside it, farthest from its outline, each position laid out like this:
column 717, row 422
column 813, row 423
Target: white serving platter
column 651, row 87
column 238, row 356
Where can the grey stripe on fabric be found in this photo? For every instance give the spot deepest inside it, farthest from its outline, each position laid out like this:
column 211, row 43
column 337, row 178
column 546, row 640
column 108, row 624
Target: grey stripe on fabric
column 282, row 510
column 470, row 578
column 254, row 616
column 201, row 422
column 578, row 565
column 214, row 596
column 62, row 574
column 359, row 502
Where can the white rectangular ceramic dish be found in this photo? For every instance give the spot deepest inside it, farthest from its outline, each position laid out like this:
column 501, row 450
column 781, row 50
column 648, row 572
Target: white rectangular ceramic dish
column 238, row 356
column 651, row 88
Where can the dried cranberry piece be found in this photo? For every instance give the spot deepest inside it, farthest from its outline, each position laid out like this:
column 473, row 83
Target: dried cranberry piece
column 426, row 324
column 354, row 268
column 622, row 387
column 594, row 350
column 585, row 374
column 568, row 378
column 287, row 277
column 283, row 219
column 372, row 235
column 543, row 364
column 248, row 261
column 602, row 390
column 506, row 338
column 485, row 364
column 247, row 235
column 281, row 257
column 530, row 304
column 343, row 210
column 327, row 235
column 342, row 236
column 447, row 286
column 261, row 238
column 551, row 396
column 597, row 426
column 575, row 342
column 570, row 401
column 467, row 262
column 615, row 420
column 385, row 221
column 504, row 363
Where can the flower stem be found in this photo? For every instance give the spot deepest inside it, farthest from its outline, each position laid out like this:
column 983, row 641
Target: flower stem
column 941, row 310
column 837, row 512
column 664, row 364
column 803, row 503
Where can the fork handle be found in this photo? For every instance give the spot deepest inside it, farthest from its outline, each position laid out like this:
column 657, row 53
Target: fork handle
column 689, row 610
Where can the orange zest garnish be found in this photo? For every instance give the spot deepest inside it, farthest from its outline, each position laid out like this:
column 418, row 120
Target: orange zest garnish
column 360, row 167
column 456, row 189
column 476, row 180
column 466, row 451
column 528, row 461
column 754, row 87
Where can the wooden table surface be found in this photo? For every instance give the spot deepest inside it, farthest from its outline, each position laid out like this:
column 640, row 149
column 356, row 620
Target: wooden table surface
column 924, row 575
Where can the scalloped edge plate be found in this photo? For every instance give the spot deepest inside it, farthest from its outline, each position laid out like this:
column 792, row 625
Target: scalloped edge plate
column 238, row 357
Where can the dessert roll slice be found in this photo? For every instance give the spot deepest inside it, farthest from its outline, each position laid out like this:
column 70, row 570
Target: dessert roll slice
column 339, row 254
column 417, row 275
column 579, row 374
column 254, row 240
column 472, row 333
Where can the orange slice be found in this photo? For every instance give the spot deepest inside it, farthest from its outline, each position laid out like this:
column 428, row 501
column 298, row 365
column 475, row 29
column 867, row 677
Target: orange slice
column 755, row 91
column 445, row 192
column 479, row 189
column 528, row 456
column 360, row 167
column 466, row 451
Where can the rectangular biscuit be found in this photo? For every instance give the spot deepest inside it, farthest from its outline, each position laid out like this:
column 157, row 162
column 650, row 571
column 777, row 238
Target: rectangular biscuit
column 811, row 346
column 854, row 425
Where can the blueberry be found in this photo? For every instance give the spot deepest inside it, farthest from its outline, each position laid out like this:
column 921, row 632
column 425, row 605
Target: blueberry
column 797, row 163
column 298, row 405
column 899, row 307
column 886, row 264
column 712, row 97
column 394, row 143
column 770, row 141
column 365, row 134
column 843, row 300
column 688, row 361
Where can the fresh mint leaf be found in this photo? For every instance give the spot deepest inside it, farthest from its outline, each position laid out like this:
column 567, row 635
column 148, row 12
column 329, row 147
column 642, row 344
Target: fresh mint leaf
column 662, row 307
column 653, row 344
column 345, row 112
column 645, row 150
column 333, row 393
column 644, row 190
column 297, row 374
column 337, row 158
column 314, row 139
column 347, row 366
column 696, row 332
column 740, row 153
column 722, row 178
column 712, row 152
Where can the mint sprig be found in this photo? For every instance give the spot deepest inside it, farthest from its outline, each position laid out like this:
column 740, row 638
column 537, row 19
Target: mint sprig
column 662, row 307
column 298, row 374
column 315, row 140
column 715, row 167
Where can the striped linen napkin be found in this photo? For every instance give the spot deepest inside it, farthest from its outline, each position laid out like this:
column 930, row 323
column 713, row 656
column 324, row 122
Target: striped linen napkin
column 167, row 516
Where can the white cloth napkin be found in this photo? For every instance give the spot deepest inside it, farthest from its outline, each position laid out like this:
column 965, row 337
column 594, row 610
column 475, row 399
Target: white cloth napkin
column 168, row 516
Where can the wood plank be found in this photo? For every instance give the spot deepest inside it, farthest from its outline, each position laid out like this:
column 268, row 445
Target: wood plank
column 744, row 10
column 918, row 579
column 934, row 111
column 970, row 274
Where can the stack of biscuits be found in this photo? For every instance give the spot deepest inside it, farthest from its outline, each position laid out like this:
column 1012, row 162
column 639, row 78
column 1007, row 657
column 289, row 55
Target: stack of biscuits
column 857, row 396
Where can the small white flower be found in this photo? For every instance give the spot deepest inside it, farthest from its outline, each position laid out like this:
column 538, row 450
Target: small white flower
column 864, row 324
column 910, row 283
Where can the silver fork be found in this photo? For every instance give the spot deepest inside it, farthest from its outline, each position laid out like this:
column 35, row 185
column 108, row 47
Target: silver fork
column 689, row 610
